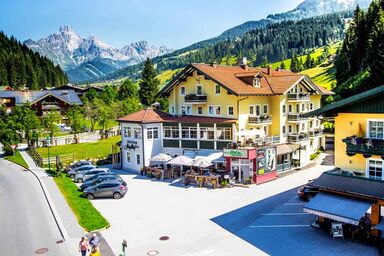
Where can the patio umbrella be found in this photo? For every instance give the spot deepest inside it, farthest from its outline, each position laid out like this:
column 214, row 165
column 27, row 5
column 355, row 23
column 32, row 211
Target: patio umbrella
column 181, row 160
column 202, row 162
column 161, row 158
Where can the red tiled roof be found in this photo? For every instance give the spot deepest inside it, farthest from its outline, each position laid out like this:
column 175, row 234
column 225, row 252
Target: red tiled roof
column 150, row 115
column 238, row 80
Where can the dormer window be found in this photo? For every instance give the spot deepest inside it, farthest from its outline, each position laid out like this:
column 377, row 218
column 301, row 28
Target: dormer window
column 256, row 82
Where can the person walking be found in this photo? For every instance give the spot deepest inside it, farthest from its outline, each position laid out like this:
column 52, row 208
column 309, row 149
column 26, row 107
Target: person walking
column 94, row 241
column 83, row 246
column 95, row 252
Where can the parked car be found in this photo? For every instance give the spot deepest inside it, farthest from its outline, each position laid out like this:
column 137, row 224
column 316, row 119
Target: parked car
column 77, row 164
column 64, row 127
column 307, row 191
column 81, row 176
column 73, row 172
column 98, row 175
column 99, row 179
column 106, row 188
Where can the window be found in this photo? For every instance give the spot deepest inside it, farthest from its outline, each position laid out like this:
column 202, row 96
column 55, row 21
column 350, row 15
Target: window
column 210, row 110
column 172, row 109
column 283, row 128
column 186, row 110
column 128, row 157
column 265, row 130
column 258, row 110
column 230, row 110
column 284, row 110
column 218, row 110
column 207, row 133
column 302, row 126
column 311, row 106
column 199, row 110
column 297, row 108
column 289, row 108
column 376, row 129
column 153, row 133
column 289, row 128
column 182, row 90
column 302, row 107
column 217, row 89
column 171, row 132
column 199, row 90
column 375, row 169
column 224, row 133
column 256, row 82
column 265, row 109
column 127, row 132
column 189, row 132
column 137, row 133
column 251, row 110
column 138, row 158
column 310, row 124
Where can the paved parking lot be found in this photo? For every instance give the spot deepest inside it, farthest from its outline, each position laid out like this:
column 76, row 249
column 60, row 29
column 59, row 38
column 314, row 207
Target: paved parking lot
column 278, row 226
column 189, row 216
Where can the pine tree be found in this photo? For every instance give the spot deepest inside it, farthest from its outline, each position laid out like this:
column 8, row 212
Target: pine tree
column 282, row 65
column 149, row 84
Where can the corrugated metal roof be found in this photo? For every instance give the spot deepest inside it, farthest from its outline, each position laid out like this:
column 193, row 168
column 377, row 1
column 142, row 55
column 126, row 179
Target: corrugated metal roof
column 22, row 97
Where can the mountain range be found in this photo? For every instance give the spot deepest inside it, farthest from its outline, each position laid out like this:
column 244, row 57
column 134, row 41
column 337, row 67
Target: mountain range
column 90, row 58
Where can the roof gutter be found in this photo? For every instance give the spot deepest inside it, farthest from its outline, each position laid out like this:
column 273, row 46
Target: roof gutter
column 238, row 105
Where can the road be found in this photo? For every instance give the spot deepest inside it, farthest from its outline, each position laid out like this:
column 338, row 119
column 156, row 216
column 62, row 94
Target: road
column 26, row 221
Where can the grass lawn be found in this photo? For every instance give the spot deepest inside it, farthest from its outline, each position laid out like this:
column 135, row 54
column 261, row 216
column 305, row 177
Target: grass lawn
column 87, row 215
column 18, row 159
column 99, row 149
column 323, row 76
column 167, row 75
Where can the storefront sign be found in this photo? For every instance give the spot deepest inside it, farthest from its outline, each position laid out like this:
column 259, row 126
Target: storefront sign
column 240, row 153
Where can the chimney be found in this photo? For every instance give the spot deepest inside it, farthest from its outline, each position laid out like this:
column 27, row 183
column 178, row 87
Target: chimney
column 243, row 63
column 269, row 70
column 214, row 64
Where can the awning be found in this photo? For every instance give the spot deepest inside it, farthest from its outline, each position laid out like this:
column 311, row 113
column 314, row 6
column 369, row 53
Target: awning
column 339, row 208
column 219, row 160
column 283, row 149
column 190, row 153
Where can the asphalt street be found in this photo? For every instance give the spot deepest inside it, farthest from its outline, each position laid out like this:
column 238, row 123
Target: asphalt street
column 278, row 226
column 28, row 227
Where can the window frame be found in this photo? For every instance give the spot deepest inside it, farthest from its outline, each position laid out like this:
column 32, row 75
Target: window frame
column 183, row 90
column 128, row 155
column 233, row 110
column 368, row 133
column 151, row 131
column 217, row 92
column 138, row 158
column 197, row 90
column 368, row 170
column 197, row 110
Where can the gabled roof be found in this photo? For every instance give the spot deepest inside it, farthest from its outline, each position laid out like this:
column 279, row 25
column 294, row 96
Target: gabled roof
column 238, row 80
column 22, row 97
column 151, row 115
column 356, row 186
column 336, row 107
column 77, row 88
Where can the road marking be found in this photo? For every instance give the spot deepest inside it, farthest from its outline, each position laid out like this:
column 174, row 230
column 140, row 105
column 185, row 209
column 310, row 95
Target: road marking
column 294, row 203
column 284, row 213
column 279, row 226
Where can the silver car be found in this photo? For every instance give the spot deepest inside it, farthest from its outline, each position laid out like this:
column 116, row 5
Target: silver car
column 82, row 176
column 115, row 189
column 77, row 164
column 73, row 172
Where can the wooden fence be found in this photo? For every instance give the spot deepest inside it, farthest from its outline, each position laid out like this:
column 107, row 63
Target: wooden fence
column 35, row 156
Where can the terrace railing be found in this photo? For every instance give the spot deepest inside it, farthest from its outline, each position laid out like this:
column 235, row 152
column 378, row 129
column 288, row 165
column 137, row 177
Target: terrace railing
column 365, row 146
column 193, row 98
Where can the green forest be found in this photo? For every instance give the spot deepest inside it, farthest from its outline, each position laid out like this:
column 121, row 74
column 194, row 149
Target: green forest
column 20, row 66
column 273, row 43
column 360, row 62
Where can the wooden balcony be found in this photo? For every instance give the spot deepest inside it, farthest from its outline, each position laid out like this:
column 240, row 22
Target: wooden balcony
column 298, row 97
column 365, row 146
column 193, row 98
column 296, row 117
column 259, row 119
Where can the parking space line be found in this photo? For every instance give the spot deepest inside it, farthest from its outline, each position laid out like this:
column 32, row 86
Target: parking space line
column 284, row 213
column 279, row 226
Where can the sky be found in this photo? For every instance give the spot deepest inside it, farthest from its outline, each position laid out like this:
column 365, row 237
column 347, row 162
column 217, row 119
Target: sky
column 172, row 23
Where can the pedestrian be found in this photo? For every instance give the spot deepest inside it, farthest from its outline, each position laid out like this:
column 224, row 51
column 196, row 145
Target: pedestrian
column 95, row 252
column 94, row 241
column 83, row 246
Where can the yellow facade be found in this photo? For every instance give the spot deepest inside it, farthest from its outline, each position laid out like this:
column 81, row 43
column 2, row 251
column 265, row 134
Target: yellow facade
column 346, row 125
column 242, row 106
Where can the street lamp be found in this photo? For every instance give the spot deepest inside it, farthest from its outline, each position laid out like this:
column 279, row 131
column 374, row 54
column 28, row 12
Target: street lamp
column 48, row 140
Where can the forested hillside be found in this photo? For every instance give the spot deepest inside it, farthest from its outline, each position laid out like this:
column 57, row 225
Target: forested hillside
column 360, row 64
column 21, row 66
column 273, row 43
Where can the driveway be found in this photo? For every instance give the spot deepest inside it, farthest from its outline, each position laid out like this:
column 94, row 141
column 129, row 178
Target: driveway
column 152, row 209
column 278, row 226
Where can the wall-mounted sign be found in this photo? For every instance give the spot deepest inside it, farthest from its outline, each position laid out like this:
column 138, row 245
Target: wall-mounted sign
column 240, row 153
